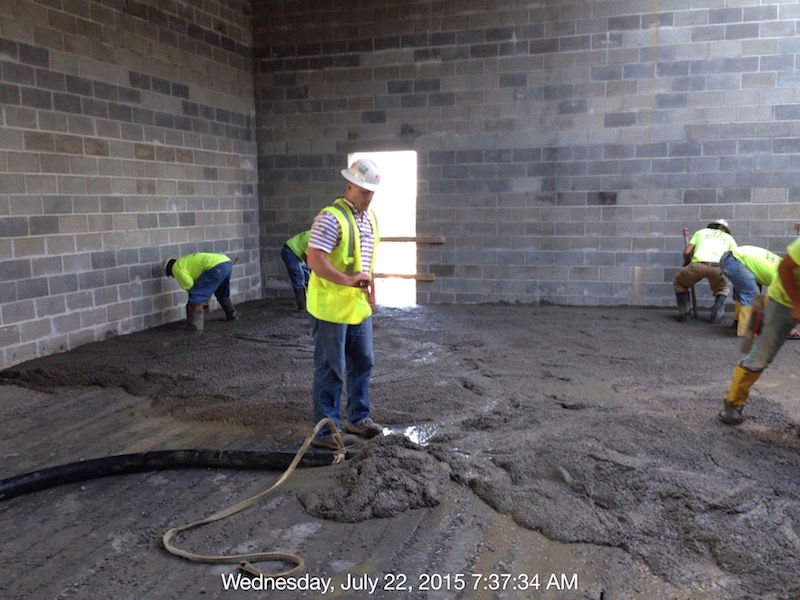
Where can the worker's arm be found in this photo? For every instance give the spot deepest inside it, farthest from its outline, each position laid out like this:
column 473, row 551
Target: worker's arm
column 182, row 277
column 786, row 273
column 688, row 252
column 319, row 263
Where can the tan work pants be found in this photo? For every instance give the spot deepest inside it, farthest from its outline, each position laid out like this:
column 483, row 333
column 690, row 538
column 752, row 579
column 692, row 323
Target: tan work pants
column 695, row 271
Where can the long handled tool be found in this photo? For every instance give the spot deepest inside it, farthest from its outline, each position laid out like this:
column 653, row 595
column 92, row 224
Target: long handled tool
column 691, row 289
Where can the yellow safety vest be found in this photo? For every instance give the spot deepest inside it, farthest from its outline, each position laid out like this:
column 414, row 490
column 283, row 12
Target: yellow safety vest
column 329, row 301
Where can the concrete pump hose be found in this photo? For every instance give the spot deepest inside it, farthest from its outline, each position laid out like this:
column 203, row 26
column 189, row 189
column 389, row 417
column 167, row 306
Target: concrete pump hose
column 245, row 560
column 187, row 458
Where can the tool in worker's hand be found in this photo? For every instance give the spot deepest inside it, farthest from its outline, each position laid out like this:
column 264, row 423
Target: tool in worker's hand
column 754, row 326
column 691, row 289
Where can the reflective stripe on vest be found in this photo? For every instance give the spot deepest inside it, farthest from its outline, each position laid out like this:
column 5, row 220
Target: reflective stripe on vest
column 351, row 244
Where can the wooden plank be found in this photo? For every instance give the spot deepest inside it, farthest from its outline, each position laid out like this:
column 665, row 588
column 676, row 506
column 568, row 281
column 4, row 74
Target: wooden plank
column 419, row 239
column 417, row 276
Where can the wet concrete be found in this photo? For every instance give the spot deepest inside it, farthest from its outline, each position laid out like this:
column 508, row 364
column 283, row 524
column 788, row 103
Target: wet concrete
column 566, row 441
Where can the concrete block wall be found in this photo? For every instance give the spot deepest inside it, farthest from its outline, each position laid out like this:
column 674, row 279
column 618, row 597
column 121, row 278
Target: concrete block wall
column 562, row 145
column 127, row 134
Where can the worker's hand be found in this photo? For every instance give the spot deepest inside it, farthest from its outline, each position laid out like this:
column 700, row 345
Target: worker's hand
column 359, row 280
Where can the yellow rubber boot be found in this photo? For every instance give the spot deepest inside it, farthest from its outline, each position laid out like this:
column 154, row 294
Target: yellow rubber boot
column 738, row 392
column 736, row 308
column 745, row 312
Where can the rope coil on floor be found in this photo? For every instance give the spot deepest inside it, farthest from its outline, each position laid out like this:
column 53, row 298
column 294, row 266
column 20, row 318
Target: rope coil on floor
column 246, row 560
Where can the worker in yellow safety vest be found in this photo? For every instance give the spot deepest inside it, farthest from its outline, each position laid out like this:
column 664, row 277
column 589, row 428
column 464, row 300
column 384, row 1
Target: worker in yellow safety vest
column 701, row 259
column 294, row 254
column 781, row 314
column 340, row 299
column 202, row 274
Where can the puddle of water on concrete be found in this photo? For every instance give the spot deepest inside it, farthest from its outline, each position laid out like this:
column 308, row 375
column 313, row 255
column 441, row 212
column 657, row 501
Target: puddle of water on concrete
column 419, row 434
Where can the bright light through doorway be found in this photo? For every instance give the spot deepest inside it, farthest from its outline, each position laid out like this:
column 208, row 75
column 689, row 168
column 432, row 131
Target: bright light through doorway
column 395, row 205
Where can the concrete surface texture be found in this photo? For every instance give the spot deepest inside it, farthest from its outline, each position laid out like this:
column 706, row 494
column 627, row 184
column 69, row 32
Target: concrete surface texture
column 577, row 448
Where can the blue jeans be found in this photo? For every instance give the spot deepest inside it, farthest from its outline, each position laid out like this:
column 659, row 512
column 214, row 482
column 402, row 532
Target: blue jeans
column 745, row 287
column 216, row 280
column 777, row 325
column 342, row 353
column 296, row 268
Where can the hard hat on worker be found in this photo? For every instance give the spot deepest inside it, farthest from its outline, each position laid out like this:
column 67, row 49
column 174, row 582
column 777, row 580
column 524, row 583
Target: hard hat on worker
column 719, row 224
column 166, row 266
column 363, row 173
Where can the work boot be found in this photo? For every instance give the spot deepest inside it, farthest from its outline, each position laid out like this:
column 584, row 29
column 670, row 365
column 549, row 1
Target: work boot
column 718, row 309
column 745, row 314
column 367, row 428
column 737, row 395
column 300, row 298
column 331, row 444
column 230, row 311
column 684, row 305
column 194, row 315
column 731, row 414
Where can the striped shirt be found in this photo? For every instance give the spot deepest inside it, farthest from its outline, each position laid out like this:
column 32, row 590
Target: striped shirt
column 326, row 234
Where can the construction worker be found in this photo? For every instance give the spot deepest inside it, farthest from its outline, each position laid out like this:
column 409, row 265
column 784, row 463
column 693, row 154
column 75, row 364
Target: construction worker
column 202, row 274
column 701, row 259
column 341, row 298
column 748, row 268
column 294, row 255
column 781, row 314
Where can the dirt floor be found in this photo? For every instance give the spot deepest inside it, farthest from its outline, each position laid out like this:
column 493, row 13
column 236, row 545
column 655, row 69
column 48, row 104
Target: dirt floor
column 568, row 453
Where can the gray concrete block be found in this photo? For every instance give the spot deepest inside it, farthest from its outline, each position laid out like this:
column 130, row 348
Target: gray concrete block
column 742, row 31
column 16, row 312
column 725, row 15
column 32, row 288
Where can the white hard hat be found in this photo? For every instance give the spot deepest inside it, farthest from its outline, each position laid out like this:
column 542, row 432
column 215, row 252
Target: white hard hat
column 722, row 222
column 165, row 265
column 363, row 173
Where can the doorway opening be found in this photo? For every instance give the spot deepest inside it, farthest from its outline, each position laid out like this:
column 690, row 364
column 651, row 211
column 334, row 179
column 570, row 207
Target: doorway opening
column 395, row 206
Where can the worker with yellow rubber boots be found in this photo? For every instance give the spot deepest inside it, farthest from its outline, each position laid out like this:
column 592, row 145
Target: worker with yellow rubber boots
column 341, row 298
column 202, row 274
column 747, row 267
column 781, row 314
column 701, row 259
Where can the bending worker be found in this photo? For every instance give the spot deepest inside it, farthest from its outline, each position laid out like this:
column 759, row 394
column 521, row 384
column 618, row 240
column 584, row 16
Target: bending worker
column 202, row 274
column 294, row 255
column 701, row 259
column 341, row 298
column 748, row 267
column 781, row 314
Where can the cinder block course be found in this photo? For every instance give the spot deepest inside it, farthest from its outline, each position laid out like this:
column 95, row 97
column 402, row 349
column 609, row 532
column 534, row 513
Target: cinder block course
column 110, row 149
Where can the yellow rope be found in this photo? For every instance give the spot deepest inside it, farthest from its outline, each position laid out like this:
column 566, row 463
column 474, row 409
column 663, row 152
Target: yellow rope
column 245, row 560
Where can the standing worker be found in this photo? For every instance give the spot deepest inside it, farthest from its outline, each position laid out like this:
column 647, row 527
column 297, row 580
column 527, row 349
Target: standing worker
column 294, row 255
column 701, row 258
column 781, row 314
column 202, row 274
column 341, row 298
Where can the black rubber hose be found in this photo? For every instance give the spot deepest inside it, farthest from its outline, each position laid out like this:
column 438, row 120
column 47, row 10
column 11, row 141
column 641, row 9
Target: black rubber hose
column 156, row 460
